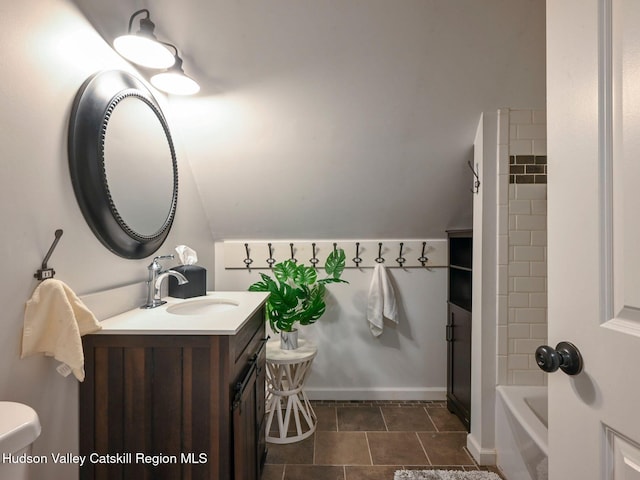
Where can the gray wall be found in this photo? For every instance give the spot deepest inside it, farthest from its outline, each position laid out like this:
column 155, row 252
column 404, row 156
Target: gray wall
column 347, row 119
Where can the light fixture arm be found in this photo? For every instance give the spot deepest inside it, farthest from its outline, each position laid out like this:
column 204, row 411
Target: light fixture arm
column 147, row 18
column 178, row 64
column 171, row 45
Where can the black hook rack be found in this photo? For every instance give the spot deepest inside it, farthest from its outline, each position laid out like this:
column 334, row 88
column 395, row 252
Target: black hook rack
column 313, row 260
column 422, row 259
column 270, row 260
column 357, row 260
column 400, row 258
column 293, row 258
column 379, row 259
column 44, row 272
column 247, row 261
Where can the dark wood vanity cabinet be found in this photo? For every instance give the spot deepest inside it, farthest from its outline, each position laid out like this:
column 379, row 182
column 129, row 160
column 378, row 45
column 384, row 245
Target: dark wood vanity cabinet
column 174, row 406
column 458, row 330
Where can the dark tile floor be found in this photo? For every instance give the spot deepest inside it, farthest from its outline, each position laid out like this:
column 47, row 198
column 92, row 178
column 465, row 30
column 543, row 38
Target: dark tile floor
column 371, row 440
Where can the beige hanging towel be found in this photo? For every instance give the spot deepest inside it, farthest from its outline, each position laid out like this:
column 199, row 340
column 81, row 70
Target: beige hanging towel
column 54, row 320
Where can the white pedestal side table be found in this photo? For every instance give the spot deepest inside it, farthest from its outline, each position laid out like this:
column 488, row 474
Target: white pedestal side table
column 287, row 402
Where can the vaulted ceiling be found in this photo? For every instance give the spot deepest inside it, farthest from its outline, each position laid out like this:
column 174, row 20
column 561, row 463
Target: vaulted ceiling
column 340, row 118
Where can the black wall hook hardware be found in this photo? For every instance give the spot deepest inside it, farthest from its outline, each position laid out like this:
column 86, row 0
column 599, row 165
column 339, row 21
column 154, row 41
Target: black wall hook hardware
column 422, row 259
column 313, row 260
column 270, row 260
column 335, row 247
column 400, row 258
column 44, row 272
column 293, row 258
column 476, row 183
column 247, row 261
column 357, row 260
column 379, row 259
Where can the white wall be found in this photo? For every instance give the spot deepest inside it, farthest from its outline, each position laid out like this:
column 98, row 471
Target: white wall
column 509, row 296
column 483, row 333
column 48, row 51
column 405, row 362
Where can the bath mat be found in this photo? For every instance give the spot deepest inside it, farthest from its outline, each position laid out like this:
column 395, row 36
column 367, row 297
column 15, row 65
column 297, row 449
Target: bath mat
column 443, row 475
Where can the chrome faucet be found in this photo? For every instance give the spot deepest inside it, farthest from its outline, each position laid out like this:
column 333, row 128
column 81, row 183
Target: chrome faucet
column 154, row 282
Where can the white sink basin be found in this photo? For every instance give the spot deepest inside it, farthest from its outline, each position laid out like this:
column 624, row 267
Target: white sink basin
column 203, row 306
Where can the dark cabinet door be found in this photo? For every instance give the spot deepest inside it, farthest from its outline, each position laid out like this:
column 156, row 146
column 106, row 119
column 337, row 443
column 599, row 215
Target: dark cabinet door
column 246, row 461
column 459, row 361
column 248, row 409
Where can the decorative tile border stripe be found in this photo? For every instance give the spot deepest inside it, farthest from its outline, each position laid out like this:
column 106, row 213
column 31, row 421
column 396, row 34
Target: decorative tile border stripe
column 528, row 169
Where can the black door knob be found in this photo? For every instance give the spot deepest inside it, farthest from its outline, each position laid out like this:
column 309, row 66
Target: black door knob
column 565, row 356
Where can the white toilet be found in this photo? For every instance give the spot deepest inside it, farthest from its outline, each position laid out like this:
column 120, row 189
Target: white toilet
column 19, row 428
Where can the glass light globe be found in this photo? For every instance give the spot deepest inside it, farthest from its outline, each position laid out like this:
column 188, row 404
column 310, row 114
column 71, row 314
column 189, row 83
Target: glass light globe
column 175, row 82
column 144, row 51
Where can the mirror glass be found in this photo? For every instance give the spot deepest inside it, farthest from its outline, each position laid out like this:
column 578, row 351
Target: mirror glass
column 138, row 166
column 123, row 164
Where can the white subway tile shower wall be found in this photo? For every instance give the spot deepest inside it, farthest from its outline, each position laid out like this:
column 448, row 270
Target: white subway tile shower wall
column 527, row 132
column 522, row 252
column 527, row 318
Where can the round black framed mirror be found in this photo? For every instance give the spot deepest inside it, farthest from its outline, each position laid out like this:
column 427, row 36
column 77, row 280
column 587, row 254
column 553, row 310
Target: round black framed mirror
column 123, row 164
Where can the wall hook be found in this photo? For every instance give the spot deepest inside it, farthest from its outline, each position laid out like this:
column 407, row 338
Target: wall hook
column 400, row 258
column 379, row 259
column 422, row 259
column 476, row 183
column 335, row 247
column 270, row 260
column 293, row 258
column 313, row 259
column 247, row 261
column 44, row 272
column 357, row 260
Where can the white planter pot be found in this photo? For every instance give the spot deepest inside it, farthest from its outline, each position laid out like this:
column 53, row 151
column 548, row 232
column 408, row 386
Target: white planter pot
column 289, row 340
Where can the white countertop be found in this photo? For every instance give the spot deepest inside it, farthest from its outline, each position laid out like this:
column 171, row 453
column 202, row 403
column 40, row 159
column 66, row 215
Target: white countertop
column 229, row 313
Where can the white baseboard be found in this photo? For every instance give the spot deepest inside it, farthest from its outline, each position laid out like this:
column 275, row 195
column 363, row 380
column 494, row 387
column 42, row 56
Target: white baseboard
column 376, row 393
column 483, row 456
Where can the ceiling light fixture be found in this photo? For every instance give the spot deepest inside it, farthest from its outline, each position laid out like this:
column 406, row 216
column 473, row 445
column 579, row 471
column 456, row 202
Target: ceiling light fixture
column 143, row 48
column 174, row 80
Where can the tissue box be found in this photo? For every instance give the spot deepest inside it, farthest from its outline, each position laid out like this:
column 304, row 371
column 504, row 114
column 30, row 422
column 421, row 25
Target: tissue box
column 197, row 285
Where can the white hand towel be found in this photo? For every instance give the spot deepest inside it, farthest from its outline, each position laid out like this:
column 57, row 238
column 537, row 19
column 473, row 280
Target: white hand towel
column 54, row 320
column 382, row 301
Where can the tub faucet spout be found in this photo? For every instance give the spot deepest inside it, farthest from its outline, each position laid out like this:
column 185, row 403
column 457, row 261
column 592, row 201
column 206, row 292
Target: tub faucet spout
column 154, row 282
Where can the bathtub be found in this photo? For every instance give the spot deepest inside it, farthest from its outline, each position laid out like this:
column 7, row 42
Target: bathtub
column 521, row 432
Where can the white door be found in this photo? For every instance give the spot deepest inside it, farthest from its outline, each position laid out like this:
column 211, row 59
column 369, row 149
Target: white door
column 593, row 105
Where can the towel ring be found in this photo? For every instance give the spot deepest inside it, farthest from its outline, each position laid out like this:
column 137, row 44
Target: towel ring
column 379, row 259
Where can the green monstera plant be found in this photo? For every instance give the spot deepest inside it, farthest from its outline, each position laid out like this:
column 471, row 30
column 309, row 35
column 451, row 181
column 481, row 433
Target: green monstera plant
column 296, row 293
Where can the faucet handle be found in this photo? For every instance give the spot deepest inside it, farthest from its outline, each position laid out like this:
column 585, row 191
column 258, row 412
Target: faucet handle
column 155, row 265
